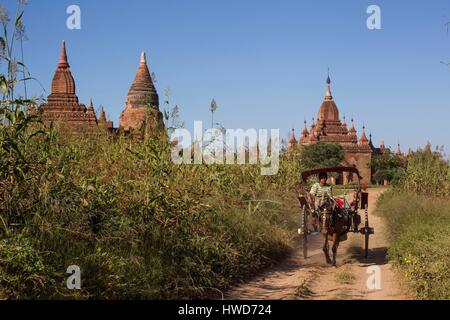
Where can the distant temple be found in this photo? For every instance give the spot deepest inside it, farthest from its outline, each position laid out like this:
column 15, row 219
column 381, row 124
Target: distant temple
column 142, row 105
column 63, row 107
column 329, row 128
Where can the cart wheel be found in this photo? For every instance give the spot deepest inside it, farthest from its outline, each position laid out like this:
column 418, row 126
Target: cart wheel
column 305, row 232
column 366, row 233
column 366, row 247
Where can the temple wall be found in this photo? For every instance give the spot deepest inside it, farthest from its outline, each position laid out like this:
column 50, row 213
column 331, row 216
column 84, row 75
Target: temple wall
column 362, row 162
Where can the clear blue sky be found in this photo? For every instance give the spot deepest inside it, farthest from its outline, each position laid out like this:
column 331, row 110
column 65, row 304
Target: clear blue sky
column 265, row 62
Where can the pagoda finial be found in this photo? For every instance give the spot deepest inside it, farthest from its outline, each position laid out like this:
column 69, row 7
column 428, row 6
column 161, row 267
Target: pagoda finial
column 102, row 114
column 292, row 141
column 328, row 95
column 63, row 63
column 143, row 58
column 363, row 139
column 305, row 132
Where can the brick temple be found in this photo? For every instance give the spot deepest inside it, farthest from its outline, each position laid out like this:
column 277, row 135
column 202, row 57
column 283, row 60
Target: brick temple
column 141, row 112
column 329, row 128
column 64, row 109
column 62, row 104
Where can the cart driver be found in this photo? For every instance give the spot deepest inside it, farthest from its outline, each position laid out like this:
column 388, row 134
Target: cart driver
column 318, row 190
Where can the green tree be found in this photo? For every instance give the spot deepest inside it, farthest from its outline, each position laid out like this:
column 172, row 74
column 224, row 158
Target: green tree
column 387, row 167
column 321, row 155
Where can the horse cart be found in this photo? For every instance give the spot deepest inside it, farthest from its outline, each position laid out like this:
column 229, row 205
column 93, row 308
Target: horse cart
column 334, row 209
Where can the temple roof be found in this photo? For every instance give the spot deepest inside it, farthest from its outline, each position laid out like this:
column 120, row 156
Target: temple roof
column 142, row 92
column 63, row 84
column 328, row 110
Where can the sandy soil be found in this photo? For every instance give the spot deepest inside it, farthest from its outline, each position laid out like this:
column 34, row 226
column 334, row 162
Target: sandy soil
column 296, row 278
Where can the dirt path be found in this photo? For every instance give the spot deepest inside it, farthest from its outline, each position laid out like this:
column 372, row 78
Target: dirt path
column 297, row 278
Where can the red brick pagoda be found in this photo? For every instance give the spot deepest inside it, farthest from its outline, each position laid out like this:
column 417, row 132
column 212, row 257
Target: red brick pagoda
column 329, row 128
column 63, row 106
column 141, row 112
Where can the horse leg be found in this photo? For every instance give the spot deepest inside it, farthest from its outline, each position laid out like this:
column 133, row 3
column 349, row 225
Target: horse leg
column 326, row 249
column 335, row 247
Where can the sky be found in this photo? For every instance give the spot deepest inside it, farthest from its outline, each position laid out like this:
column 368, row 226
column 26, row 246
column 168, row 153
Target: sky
column 264, row 62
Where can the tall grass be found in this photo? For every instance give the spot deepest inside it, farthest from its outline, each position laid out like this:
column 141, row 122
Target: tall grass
column 137, row 225
column 417, row 212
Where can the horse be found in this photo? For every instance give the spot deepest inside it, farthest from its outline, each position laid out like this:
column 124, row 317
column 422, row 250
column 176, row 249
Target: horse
column 334, row 224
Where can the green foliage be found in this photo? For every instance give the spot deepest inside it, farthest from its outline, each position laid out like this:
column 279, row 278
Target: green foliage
column 427, row 173
column 418, row 211
column 387, row 167
column 22, row 273
column 420, row 241
column 138, row 225
column 321, row 155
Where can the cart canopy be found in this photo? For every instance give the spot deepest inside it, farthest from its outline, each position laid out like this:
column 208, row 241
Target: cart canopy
column 306, row 174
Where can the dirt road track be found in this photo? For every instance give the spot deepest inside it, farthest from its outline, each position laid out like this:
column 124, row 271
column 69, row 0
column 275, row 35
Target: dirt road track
column 296, row 278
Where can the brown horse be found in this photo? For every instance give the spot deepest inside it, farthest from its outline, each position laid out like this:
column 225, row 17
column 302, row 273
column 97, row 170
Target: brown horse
column 334, row 223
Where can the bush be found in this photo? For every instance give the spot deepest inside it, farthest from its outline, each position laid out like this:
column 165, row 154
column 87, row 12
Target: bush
column 419, row 231
column 427, row 173
column 138, row 225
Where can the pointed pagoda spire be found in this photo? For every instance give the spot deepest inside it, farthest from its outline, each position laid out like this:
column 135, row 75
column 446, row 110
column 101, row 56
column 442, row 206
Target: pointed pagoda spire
column 305, row 132
column 292, row 137
column 363, row 140
column 344, row 123
column 328, row 95
column 143, row 58
column 91, row 104
column 101, row 114
column 142, row 92
column 63, row 84
column 292, row 141
column 352, row 130
column 63, row 63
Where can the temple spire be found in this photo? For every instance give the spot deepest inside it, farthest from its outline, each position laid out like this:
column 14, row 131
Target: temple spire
column 305, row 132
column 363, row 139
column 143, row 58
column 63, row 63
column 328, row 95
column 102, row 114
column 292, row 141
